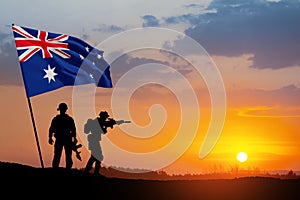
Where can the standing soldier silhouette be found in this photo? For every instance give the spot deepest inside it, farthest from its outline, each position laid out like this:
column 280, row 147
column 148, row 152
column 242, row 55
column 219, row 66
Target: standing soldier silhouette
column 64, row 130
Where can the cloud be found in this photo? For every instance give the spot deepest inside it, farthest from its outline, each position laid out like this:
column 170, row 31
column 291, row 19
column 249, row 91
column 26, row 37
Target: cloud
column 194, row 5
column 178, row 19
column 150, row 21
column 269, row 30
column 126, row 62
column 287, row 96
column 270, row 112
column 108, row 28
column 10, row 69
column 279, row 103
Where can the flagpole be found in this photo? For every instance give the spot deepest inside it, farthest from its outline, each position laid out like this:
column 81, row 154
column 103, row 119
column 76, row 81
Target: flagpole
column 35, row 132
column 33, row 123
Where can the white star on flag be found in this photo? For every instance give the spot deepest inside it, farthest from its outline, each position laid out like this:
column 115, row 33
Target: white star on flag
column 50, row 73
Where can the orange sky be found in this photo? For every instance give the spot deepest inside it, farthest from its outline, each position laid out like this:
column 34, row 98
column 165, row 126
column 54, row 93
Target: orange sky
column 253, row 46
column 268, row 134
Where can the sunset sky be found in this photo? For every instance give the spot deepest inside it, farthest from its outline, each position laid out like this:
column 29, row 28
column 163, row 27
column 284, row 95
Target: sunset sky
column 249, row 56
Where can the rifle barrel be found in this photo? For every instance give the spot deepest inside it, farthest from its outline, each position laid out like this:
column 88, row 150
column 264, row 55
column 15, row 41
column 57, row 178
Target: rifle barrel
column 122, row 121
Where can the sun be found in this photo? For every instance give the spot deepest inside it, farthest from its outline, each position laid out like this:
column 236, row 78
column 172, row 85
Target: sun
column 242, row 157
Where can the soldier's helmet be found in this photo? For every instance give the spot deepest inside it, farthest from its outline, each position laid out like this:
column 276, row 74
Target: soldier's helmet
column 62, row 107
column 104, row 114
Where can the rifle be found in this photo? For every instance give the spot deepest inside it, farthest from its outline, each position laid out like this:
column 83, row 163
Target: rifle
column 75, row 148
column 111, row 122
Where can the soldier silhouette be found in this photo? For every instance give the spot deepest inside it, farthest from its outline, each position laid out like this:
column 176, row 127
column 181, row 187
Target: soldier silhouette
column 64, row 130
column 95, row 128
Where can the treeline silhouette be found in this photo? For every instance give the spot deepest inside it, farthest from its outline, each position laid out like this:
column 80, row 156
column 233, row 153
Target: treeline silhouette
column 128, row 173
column 24, row 182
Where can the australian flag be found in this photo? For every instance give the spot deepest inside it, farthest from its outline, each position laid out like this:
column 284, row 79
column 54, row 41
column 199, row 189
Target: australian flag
column 51, row 60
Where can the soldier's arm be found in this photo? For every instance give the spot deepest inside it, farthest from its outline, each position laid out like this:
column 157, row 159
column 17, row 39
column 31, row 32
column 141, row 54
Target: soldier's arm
column 51, row 131
column 73, row 129
column 51, row 128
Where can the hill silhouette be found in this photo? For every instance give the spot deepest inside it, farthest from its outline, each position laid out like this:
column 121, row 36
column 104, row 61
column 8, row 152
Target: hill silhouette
column 24, row 181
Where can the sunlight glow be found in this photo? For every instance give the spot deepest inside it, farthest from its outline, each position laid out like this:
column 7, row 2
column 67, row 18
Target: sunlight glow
column 242, row 157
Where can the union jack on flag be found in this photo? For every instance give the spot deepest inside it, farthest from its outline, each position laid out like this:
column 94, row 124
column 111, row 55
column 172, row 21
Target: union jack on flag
column 50, row 61
column 41, row 42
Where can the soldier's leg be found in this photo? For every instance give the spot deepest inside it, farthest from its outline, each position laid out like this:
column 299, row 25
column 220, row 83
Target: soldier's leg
column 68, row 154
column 99, row 157
column 58, row 147
column 89, row 164
column 97, row 167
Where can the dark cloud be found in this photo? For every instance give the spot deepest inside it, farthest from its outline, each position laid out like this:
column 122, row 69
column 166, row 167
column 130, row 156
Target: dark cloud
column 150, row 21
column 287, row 96
column 269, row 30
column 108, row 28
column 178, row 19
column 129, row 61
column 126, row 62
column 10, row 73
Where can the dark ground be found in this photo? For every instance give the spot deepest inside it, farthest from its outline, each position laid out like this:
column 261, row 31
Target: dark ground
column 22, row 181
